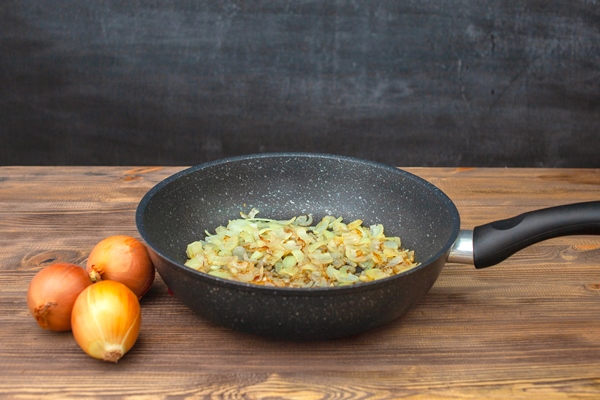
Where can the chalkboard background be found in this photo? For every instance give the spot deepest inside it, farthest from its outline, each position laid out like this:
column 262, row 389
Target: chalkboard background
column 409, row 83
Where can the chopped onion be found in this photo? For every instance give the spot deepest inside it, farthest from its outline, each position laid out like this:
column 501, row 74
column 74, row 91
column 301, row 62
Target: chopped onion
column 293, row 253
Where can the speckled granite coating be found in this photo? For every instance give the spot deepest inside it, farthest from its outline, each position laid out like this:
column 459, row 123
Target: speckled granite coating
column 179, row 209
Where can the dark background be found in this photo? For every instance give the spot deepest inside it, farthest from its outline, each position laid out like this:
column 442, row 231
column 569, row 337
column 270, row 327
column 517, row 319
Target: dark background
column 409, row 83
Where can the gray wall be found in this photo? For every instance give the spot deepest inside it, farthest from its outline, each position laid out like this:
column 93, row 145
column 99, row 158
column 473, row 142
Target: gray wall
column 409, row 83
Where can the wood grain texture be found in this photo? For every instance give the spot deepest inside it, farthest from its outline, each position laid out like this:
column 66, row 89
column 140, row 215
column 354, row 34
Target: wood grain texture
column 528, row 328
column 411, row 83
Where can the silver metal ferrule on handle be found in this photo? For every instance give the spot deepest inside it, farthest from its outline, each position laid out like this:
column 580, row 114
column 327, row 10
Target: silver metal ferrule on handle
column 461, row 251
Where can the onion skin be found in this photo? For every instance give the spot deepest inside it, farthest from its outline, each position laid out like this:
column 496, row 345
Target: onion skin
column 122, row 259
column 52, row 293
column 106, row 320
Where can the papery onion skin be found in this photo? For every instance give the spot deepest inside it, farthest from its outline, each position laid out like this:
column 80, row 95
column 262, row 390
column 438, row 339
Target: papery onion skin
column 123, row 259
column 106, row 320
column 52, row 293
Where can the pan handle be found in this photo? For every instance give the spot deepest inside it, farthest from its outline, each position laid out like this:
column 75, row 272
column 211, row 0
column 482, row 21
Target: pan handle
column 496, row 241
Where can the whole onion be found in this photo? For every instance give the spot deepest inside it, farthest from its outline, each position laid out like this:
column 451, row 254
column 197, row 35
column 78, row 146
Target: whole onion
column 106, row 320
column 52, row 293
column 122, row 259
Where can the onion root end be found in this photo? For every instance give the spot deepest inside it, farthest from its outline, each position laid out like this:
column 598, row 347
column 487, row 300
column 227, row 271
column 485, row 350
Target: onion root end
column 113, row 356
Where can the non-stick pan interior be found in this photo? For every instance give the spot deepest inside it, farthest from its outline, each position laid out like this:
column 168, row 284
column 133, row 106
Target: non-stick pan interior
column 179, row 210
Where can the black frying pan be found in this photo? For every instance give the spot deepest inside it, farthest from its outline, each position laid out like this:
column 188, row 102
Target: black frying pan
column 179, row 209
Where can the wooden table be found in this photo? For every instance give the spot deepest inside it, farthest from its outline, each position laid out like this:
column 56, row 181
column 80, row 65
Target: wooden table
column 527, row 328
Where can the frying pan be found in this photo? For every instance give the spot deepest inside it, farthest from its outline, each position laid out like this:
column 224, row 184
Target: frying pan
column 178, row 210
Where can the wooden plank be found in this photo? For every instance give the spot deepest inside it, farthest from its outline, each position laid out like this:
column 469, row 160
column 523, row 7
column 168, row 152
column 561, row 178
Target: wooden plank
column 527, row 328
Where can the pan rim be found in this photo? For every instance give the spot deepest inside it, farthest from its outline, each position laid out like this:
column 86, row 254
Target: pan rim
column 292, row 291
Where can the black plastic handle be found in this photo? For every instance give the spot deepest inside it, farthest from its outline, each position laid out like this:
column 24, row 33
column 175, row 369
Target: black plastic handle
column 496, row 241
